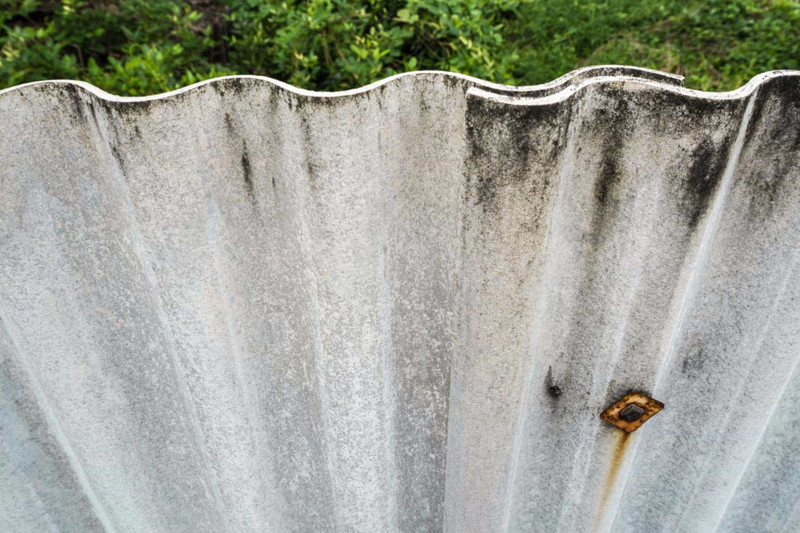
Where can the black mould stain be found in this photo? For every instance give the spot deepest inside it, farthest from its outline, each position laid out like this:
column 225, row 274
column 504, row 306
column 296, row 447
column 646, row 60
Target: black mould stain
column 693, row 362
column 127, row 110
column 305, row 129
column 553, row 390
column 767, row 188
column 610, row 174
column 312, row 104
column 236, row 85
column 705, row 172
column 247, row 173
column 500, row 148
column 774, row 131
column 118, row 156
column 69, row 93
column 782, row 89
column 247, row 167
column 94, row 114
column 606, row 191
column 612, row 125
column 229, row 124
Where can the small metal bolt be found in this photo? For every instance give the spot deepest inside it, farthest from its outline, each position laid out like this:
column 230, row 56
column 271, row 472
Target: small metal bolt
column 631, row 413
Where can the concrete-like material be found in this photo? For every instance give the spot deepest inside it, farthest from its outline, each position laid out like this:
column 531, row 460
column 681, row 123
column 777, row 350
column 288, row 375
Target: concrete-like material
column 246, row 307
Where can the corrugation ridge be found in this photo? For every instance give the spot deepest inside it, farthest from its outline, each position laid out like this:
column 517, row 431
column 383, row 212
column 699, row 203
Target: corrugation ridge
column 768, row 418
column 740, row 388
column 126, row 203
column 213, row 228
column 697, row 268
column 541, row 304
column 307, row 253
column 699, row 264
column 53, row 421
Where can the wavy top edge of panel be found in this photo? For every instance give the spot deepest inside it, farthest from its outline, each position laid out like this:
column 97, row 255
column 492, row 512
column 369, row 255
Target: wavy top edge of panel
column 558, row 90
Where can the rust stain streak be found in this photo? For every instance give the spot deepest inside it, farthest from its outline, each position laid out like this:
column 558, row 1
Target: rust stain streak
column 618, row 454
column 646, row 406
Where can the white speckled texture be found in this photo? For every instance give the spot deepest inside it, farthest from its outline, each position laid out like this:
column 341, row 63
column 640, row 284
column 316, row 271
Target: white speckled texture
column 246, row 307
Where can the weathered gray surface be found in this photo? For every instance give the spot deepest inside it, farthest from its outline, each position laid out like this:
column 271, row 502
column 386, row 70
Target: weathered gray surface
column 244, row 307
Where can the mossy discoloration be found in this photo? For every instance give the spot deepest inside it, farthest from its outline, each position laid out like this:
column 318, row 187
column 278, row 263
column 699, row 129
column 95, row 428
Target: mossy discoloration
column 612, row 124
column 504, row 140
column 247, row 173
column 70, row 94
column 694, row 360
column 237, row 86
column 132, row 109
column 708, row 162
column 308, row 147
column 92, row 111
column 118, row 156
column 774, row 137
column 663, row 115
column 244, row 160
column 229, row 127
column 606, row 188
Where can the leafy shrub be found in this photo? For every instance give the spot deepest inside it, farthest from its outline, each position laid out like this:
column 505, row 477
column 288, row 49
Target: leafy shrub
column 139, row 47
column 131, row 47
column 338, row 44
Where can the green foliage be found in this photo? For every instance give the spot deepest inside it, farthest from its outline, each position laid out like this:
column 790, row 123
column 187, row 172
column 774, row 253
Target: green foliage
column 338, row 44
column 131, row 47
column 719, row 45
column 139, row 47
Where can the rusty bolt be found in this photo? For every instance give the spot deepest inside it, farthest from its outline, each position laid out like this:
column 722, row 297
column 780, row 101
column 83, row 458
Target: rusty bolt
column 631, row 413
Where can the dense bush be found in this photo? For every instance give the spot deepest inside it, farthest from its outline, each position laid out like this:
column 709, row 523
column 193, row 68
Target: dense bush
column 147, row 46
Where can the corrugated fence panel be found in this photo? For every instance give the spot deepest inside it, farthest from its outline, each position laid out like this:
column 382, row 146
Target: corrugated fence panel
column 246, row 307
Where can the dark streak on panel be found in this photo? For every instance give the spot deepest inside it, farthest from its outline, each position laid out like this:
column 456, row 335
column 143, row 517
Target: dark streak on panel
column 775, row 130
column 500, row 146
column 247, row 167
column 694, row 360
column 247, row 173
column 612, row 124
column 705, row 172
column 311, row 170
column 118, row 156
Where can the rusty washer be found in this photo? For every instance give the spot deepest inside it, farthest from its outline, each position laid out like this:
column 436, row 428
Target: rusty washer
column 631, row 411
